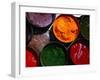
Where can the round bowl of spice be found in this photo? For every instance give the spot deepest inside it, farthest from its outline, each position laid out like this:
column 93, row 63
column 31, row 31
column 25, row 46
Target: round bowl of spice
column 66, row 28
column 40, row 22
column 79, row 53
column 38, row 42
column 84, row 26
column 53, row 54
column 32, row 59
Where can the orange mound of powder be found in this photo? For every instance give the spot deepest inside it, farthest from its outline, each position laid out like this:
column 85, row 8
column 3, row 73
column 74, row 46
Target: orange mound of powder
column 65, row 28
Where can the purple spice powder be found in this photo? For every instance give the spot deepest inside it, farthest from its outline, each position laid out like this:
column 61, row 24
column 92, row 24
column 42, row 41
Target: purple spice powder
column 39, row 19
column 39, row 41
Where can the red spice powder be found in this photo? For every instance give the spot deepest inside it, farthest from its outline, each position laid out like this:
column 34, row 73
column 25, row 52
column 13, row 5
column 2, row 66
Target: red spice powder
column 79, row 53
column 31, row 59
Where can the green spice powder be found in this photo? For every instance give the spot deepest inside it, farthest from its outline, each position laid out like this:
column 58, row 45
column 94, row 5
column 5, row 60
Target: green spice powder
column 85, row 27
column 52, row 55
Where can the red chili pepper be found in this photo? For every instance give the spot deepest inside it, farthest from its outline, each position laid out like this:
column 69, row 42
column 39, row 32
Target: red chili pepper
column 31, row 59
column 79, row 53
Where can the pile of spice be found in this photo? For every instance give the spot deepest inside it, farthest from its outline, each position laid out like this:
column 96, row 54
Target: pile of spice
column 31, row 58
column 79, row 53
column 39, row 41
column 85, row 26
column 65, row 28
column 39, row 19
column 53, row 54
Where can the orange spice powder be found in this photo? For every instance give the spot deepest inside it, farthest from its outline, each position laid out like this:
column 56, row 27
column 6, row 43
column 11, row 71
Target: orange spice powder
column 65, row 28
